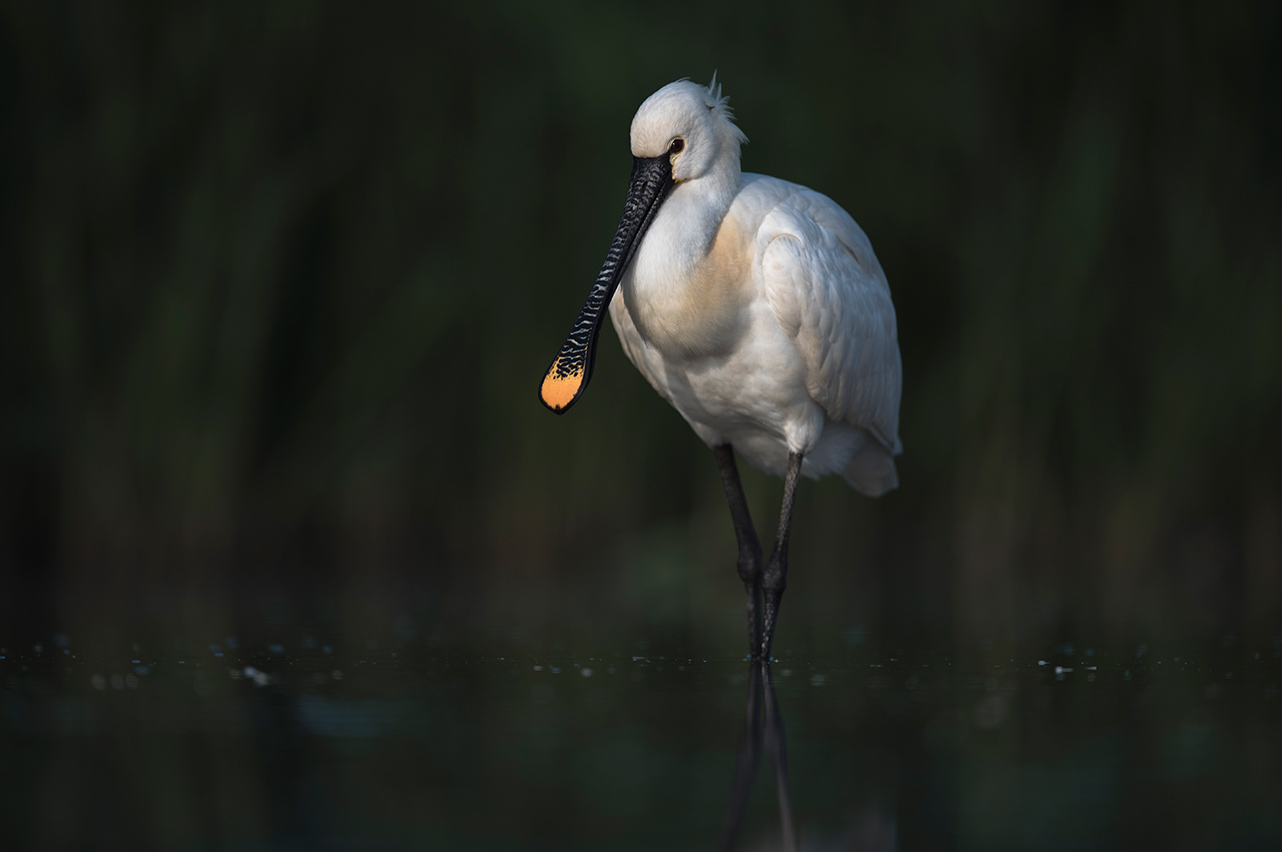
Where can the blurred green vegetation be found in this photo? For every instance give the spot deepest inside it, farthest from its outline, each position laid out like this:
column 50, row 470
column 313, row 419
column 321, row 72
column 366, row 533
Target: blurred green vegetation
column 279, row 282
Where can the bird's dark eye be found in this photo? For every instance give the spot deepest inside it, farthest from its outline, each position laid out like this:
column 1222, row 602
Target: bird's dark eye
column 677, row 146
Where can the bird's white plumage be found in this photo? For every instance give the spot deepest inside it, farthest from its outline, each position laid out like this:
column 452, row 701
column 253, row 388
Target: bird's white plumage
column 758, row 308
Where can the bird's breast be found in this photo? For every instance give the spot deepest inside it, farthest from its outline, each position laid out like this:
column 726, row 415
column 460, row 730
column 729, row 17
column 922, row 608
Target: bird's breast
column 694, row 300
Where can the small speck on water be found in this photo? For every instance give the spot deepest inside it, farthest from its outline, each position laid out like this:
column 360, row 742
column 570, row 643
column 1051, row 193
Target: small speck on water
column 586, row 672
column 538, row 668
column 817, row 680
column 259, row 677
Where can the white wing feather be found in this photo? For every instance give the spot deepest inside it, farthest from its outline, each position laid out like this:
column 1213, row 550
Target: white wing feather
column 828, row 291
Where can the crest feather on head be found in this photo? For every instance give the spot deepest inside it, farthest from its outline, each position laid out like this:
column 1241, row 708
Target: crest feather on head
column 720, row 104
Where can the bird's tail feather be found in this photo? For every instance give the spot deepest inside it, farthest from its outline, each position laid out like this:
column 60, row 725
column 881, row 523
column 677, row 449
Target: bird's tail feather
column 871, row 471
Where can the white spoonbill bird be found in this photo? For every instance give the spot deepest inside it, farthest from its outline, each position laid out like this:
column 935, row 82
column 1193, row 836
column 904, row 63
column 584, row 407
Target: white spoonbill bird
column 757, row 308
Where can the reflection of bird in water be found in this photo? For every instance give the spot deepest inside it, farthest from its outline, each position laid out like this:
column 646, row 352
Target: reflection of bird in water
column 758, row 309
column 761, row 694
column 871, row 828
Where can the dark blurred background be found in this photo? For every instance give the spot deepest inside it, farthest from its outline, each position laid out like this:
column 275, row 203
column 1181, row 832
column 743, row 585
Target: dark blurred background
column 278, row 282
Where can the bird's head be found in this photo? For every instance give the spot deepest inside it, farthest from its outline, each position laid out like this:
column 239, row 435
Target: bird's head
column 691, row 125
column 682, row 132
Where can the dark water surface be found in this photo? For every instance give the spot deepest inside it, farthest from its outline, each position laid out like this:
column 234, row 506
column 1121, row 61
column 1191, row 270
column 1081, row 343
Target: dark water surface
column 298, row 741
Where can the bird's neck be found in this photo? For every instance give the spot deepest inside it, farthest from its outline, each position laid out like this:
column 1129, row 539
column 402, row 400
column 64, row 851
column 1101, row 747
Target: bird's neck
column 682, row 288
column 687, row 224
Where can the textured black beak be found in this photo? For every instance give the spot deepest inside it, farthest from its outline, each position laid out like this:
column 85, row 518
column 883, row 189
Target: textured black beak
column 571, row 369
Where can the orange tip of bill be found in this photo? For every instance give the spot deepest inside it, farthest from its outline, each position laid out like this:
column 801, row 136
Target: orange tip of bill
column 559, row 389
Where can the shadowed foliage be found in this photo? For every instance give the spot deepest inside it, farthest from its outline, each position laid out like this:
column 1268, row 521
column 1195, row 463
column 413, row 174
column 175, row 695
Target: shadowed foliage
column 280, row 282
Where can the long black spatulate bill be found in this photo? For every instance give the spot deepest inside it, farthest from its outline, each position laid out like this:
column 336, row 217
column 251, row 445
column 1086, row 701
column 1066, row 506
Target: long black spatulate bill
column 571, row 370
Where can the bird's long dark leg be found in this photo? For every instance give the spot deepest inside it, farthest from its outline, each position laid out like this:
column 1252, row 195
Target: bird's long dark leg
column 775, row 578
column 749, row 547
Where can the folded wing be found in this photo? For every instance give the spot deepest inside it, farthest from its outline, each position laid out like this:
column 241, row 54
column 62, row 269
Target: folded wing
column 827, row 289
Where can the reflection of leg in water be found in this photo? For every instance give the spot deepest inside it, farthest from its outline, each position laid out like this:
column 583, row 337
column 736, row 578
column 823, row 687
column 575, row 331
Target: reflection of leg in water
column 761, row 694
column 746, row 762
column 777, row 748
